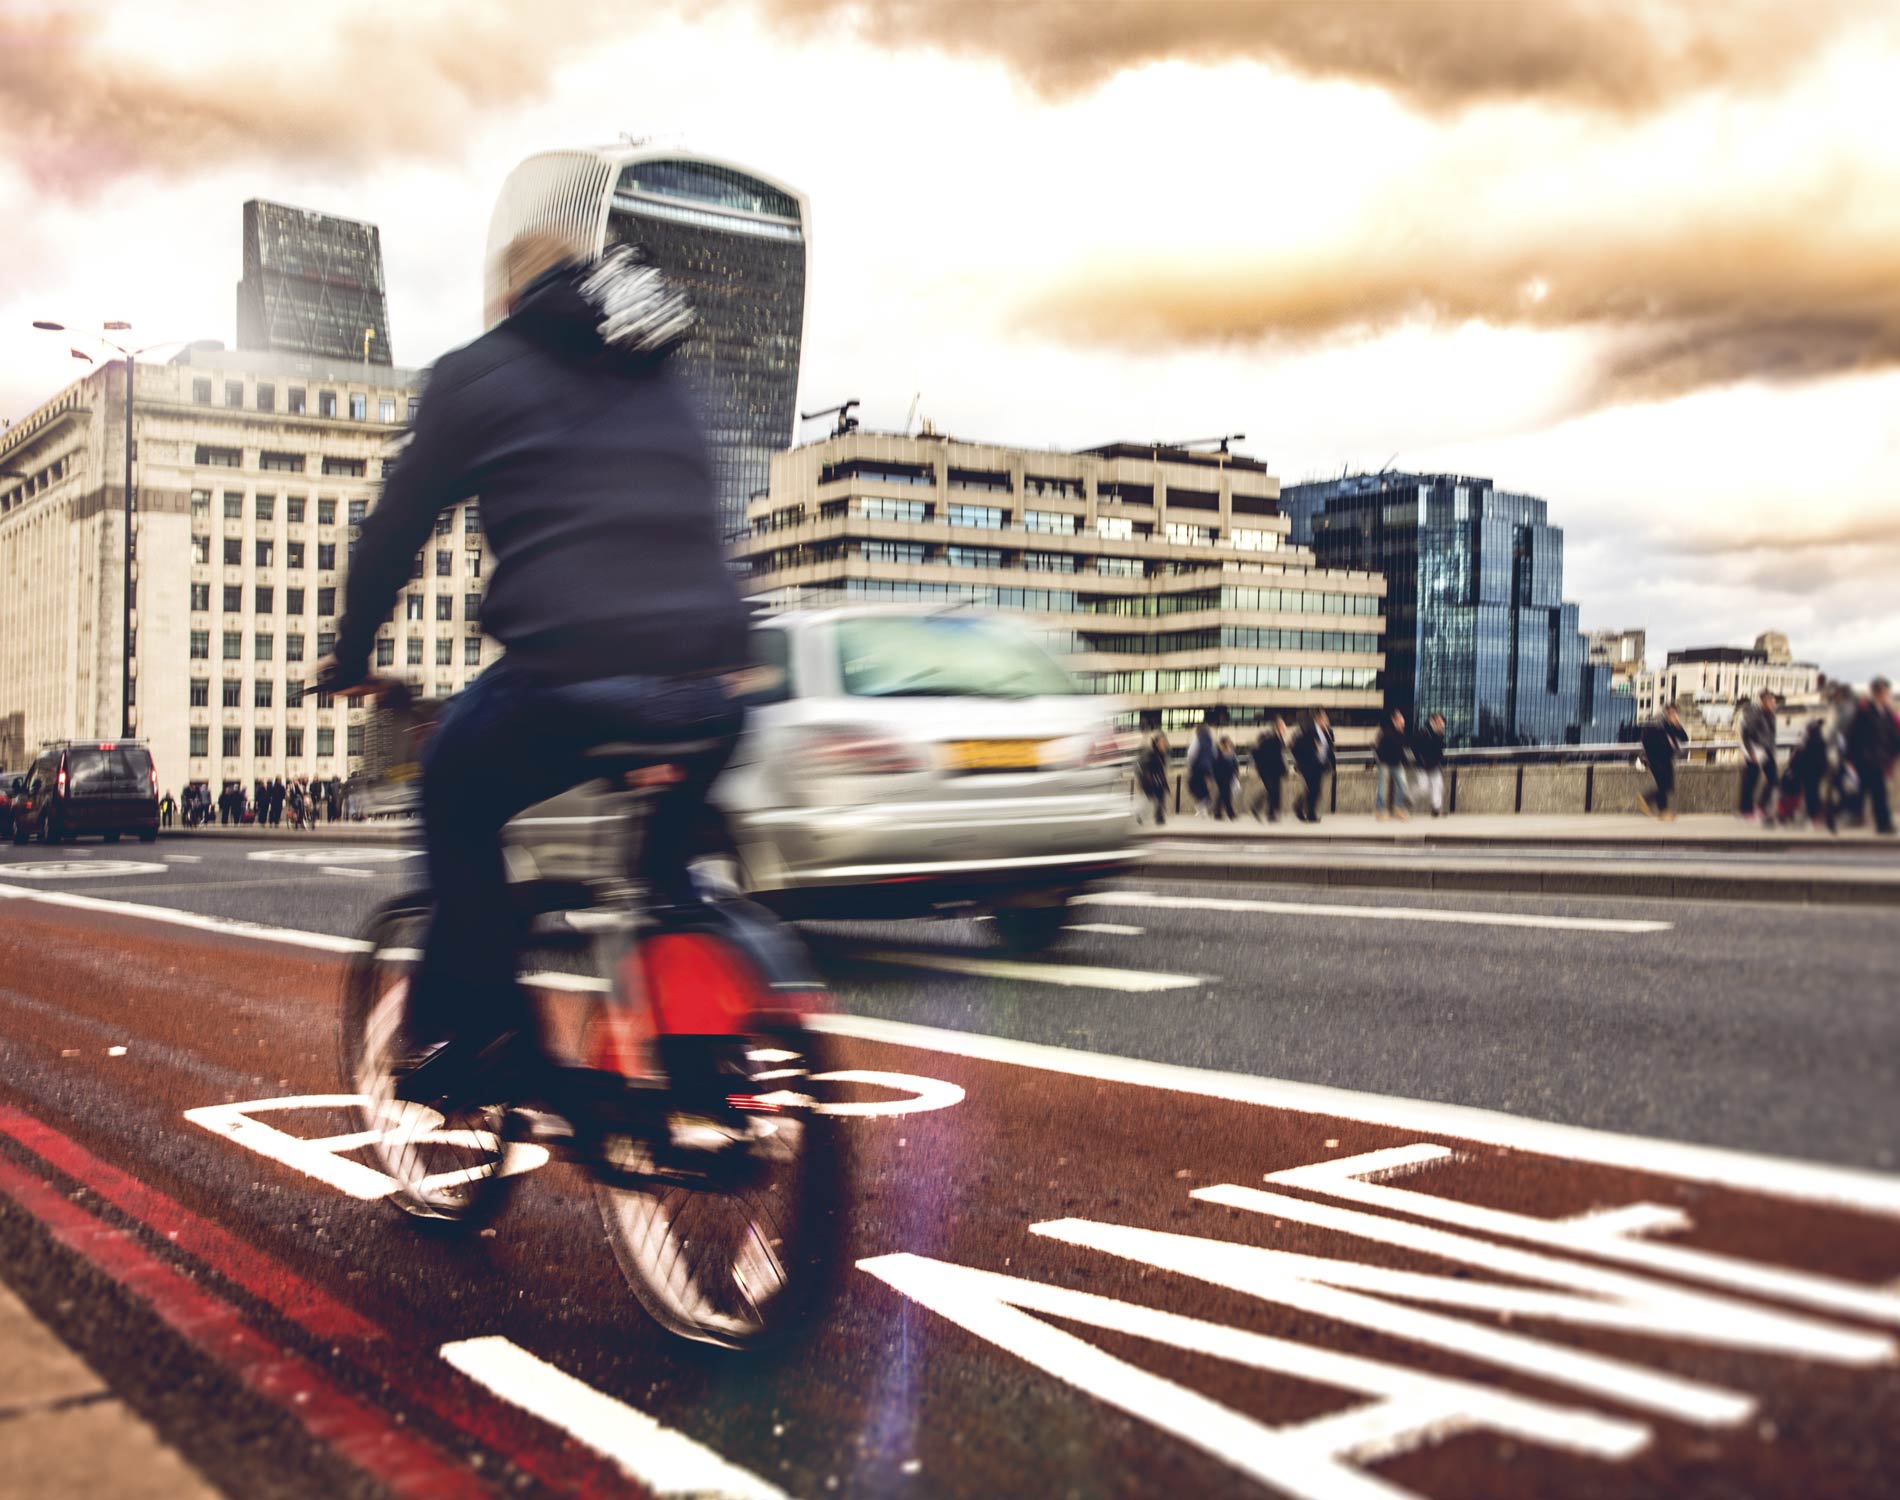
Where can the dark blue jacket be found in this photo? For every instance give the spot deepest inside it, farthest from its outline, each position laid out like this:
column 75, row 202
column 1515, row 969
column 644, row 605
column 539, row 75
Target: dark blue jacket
column 596, row 497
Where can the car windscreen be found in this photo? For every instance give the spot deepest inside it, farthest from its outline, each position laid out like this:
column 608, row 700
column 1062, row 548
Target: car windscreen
column 123, row 771
column 945, row 656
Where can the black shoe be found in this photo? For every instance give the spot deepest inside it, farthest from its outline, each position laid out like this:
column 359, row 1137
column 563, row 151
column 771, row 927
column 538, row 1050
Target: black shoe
column 460, row 1073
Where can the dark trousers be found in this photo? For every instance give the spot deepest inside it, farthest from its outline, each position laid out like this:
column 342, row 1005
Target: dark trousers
column 1665, row 774
column 1224, row 799
column 514, row 738
column 1873, row 785
column 1158, row 795
column 1270, row 786
column 1313, row 780
column 1759, row 780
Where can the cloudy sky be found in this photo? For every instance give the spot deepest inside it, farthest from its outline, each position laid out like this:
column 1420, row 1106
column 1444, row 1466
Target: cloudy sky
column 1639, row 256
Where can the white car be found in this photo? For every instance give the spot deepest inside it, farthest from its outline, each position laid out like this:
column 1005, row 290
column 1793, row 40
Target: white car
column 907, row 761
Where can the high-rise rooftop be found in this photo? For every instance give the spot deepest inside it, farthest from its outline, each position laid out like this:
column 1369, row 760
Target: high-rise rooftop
column 313, row 285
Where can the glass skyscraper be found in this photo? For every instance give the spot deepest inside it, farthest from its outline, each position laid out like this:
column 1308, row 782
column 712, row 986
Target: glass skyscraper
column 313, row 285
column 737, row 243
column 1476, row 625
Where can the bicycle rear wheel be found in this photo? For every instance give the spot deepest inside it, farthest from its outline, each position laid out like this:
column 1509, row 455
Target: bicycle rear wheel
column 447, row 1171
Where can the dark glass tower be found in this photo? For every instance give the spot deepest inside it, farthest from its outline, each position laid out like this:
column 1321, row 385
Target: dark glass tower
column 1476, row 625
column 313, row 285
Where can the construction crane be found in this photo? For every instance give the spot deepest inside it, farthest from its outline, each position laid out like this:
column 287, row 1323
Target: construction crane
column 911, row 415
column 1232, row 437
column 846, row 422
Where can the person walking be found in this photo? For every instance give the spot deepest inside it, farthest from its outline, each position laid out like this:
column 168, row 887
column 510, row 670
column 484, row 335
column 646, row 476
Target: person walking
column 1226, row 773
column 1873, row 744
column 1428, row 753
column 1663, row 739
column 166, row 807
column 1760, row 774
column 1388, row 754
column 1809, row 767
column 1312, row 756
column 1269, row 763
column 1200, row 768
column 1151, row 774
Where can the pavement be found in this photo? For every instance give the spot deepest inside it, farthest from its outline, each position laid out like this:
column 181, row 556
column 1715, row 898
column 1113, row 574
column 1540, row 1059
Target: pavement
column 1247, row 1189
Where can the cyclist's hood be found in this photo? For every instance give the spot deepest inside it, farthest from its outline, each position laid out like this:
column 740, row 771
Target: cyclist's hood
column 619, row 308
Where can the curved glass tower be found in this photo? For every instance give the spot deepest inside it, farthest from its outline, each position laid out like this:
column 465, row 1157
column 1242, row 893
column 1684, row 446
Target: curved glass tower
column 737, row 243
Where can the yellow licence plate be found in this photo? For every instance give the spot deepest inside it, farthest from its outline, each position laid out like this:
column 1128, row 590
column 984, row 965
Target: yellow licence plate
column 996, row 755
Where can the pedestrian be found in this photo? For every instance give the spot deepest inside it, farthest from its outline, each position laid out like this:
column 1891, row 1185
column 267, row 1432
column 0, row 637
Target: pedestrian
column 1200, row 768
column 1151, row 773
column 260, row 801
column 1428, row 753
column 1388, row 754
column 275, row 791
column 334, row 798
column 1663, row 739
column 166, row 807
column 1808, row 768
column 1269, row 763
column 1226, row 772
column 1759, row 772
column 1873, row 744
column 1312, row 756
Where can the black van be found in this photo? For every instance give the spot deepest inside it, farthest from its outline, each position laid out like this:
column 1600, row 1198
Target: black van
column 88, row 786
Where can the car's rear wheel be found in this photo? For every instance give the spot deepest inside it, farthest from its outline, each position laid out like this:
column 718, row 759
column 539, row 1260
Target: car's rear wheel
column 113, row 837
column 1031, row 929
column 148, row 835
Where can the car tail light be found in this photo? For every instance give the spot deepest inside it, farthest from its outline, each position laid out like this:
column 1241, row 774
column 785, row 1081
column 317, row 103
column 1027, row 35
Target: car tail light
column 1107, row 749
column 856, row 752
column 154, row 769
column 62, row 781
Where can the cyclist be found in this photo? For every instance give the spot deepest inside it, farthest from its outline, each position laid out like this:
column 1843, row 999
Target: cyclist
column 609, row 589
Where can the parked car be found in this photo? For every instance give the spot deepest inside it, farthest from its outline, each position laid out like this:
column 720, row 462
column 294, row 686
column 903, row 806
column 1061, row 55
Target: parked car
column 76, row 787
column 902, row 761
column 10, row 782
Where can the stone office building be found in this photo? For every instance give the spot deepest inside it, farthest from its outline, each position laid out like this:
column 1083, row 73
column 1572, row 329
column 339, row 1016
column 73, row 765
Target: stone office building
column 253, row 472
column 1163, row 575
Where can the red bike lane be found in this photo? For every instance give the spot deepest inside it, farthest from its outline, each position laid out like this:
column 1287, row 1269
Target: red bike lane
column 1071, row 1274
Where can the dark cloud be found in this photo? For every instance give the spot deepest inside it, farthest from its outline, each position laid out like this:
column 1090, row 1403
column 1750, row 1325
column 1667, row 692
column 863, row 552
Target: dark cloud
column 1621, row 56
column 337, row 86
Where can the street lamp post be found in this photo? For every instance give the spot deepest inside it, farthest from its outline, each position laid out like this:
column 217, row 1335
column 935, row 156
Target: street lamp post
column 125, row 623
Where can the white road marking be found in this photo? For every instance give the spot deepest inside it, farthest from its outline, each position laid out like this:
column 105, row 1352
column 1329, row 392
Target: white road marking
column 182, row 859
column 1113, row 929
column 346, row 870
column 667, row 1462
column 1371, row 913
column 1134, row 981
column 1771, row 1176
column 925, row 1093
column 1309, row 1460
column 62, row 869
column 355, row 856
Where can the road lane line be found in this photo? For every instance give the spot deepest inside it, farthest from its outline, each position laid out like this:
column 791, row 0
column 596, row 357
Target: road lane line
column 1371, row 913
column 356, row 1430
column 1113, row 929
column 1776, row 1176
column 346, row 870
column 668, row 1462
column 1133, row 981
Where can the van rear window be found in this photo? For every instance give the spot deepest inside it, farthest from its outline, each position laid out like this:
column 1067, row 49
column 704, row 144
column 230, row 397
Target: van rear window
column 122, row 769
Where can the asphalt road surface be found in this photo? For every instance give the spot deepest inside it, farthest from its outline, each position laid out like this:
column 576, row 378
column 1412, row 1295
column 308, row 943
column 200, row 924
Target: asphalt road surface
column 1246, row 1190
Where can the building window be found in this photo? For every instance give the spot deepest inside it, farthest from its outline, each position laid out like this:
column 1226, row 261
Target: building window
column 412, row 606
column 444, row 607
column 233, row 505
column 444, row 565
column 443, row 523
column 266, row 396
column 355, row 739
column 982, row 517
column 200, row 692
column 265, row 507
column 266, row 601
column 233, row 742
column 261, row 693
column 293, row 555
column 233, row 645
column 201, row 392
column 348, row 468
column 293, row 601
column 261, row 645
column 326, row 557
column 474, row 565
column 359, row 407
column 233, row 598
column 358, row 509
column 201, row 596
column 445, row 653
column 260, row 742
column 293, row 694
column 232, row 692
column 326, row 403
column 891, row 552
column 201, row 549
column 201, row 645
column 326, row 643
column 1049, row 562
column 293, row 509
column 326, row 512
column 1050, row 522
column 293, row 647
column 201, row 505
column 266, row 550
column 200, row 739
column 234, row 393
column 326, row 741
column 415, row 405
column 282, row 463
column 386, row 409
column 471, row 521
column 973, row 557
column 879, row 508
column 472, row 651
column 326, row 599
column 234, row 552
column 385, row 653
column 293, row 401
column 414, row 651
column 1118, row 567
column 471, row 606
column 293, row 744
column 326, row 700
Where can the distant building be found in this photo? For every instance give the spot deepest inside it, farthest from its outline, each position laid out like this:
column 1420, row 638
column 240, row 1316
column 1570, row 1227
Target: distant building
column 738, row 244
column 1622, row 651
column 313, row 286
column 1476, row 625
column 1163, row 576
column 1709, row 681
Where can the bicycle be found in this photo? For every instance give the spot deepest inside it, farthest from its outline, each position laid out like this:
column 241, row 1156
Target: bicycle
column 675, row 1066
